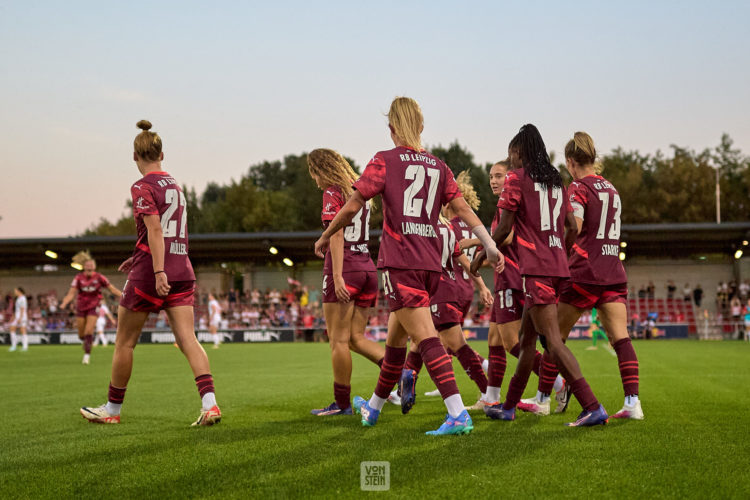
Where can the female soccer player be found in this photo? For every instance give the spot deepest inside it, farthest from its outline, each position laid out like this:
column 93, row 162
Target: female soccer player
column 88, row 285
column 597, row 277
column 214, row 315
column 536, row 208
column 414, row 185
column 160, row 277
column 449, row 307
column 507, row 308
column 102, row 314
column 350, row 280
column 20, row 320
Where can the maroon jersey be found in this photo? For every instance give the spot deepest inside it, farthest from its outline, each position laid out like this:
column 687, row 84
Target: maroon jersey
column 157, row 193
column 356, row 234
column 540, row 224
column 595, row 257
column 89, row 289
column 511, row 275
column 448, row 290
column 415, row 188
column 463, row 232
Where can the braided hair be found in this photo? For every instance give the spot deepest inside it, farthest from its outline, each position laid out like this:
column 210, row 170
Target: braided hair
column 531, row 150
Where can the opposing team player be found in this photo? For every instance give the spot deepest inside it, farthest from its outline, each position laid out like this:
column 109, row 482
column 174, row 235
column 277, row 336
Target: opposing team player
column 20, row 320
column 414, row 186
column 214, row 314
column 597, row 277
column 160, row 277
column 102, row 314
column 535, row 207
column 87, row 288
column 350, row 280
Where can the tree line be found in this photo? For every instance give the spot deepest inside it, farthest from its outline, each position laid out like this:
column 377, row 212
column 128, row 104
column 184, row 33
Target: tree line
column 281, row 196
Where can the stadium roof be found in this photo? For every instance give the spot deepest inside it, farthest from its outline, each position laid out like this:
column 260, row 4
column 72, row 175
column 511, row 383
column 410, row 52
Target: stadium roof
column 643, row 240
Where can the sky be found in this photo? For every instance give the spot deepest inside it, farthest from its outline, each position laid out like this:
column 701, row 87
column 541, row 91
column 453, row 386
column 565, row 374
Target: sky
column 230, row 84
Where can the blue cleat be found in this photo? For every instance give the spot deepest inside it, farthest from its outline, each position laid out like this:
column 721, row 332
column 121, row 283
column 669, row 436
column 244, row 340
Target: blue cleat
column 407, row 387
column 332, row 409
column 462, row 424
column 590, row 418
column 497, row 412
column 369, row 415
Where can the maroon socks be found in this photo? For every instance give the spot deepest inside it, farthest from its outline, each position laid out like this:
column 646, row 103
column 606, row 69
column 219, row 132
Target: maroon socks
column 390, row 370
column 547, row 373
column 341, row 394
column 628, row 362
column 583, row 393
column 515, row 351
column 496, row 370
column 470, row 361
column 116, row 394
column 88, row 341
column 205, row 384
column 439, row 366
column 413, row 361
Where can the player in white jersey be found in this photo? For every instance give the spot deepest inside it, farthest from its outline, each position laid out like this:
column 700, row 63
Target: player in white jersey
column 214, row 315
column 20, row 320
column 101, row 321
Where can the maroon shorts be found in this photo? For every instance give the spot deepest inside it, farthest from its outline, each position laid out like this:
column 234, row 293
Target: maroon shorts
column 409, row 287
column 507, row 306
column 141, row 296
column 361, row 285
column 586, row 296
column 445, row 315
column 541, row 290
column 89, row 311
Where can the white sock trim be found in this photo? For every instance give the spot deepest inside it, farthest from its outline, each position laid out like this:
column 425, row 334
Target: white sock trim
column 376, row 402
column 113, row 409
column 454, row 404
column 492, row 394
column 208, row 400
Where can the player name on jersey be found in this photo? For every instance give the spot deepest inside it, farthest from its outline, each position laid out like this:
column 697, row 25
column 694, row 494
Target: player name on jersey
column 176, row 248
column 426, row 230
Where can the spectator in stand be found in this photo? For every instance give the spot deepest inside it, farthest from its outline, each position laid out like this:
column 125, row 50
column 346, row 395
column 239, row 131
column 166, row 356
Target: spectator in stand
column 744, row 290
column 736, row 307
column 313, row 296
column 274, row 297
column 687, row 293
column 651, row 290
column 232, row 296
column 698, row 295
column 671, row 289
column 642, row 292
column 255, row 297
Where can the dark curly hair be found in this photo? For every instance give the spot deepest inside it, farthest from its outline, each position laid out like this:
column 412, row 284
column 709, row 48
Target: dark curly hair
column 530, row 147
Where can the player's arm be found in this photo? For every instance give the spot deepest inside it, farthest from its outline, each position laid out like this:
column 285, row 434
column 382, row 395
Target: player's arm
column 337, row 261
column 484, row 293
column 111, row 318
column 464, row 211
column 113, row 289
column 156, row 244
column 468, row 243
column 572, row 227
column 342, row 219
column 68, row 297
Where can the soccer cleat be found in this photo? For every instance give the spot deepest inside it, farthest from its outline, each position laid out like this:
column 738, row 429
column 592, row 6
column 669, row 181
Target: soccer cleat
column 462, row 424
column 533, row 405
column 216, row 346
column 369, row 415
column 434, row 393
column 394, row 398
column 332, row 409
column 591, row 418
column 497, row 412
column 208, row 417
column 479, row 405
column 407, row 388
column 563, row 398
column 630, row 411
column 12, row 348
column 86, row 359
column 99, row 415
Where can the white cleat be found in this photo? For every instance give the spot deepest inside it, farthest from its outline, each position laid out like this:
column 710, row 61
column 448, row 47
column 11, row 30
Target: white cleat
column 86, row 358
column 479, row 405
column 633, row 412
column 394, row 398
column 534, row 406
column 432, row 393
column 563, row 398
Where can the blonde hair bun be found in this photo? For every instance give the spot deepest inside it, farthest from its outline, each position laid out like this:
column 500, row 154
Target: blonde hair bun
column 144, row 125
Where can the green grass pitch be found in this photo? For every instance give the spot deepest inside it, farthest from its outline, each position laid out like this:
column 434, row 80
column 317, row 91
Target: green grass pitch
column 694, row 442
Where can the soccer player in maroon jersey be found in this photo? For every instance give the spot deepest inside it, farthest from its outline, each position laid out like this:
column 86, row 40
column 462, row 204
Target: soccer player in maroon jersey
column 536, row 208
column 160, row 277
column 414, row 186
column 597, row 277
column 350, row 280
column 88, row 285
column 507, row 308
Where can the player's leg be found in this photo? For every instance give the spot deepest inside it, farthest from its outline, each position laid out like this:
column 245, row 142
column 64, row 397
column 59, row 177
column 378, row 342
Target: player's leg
column 89, row 322
column 506, row 410
column 497, row 358
column 545, row 320
column 24, row 337
column 567, row 316
column 181, row 319
column 453, row 339
column 13, row 337
column 129, row 329
column 213, row 329
column 338, row 318
column 358, row 342
column 613, row 316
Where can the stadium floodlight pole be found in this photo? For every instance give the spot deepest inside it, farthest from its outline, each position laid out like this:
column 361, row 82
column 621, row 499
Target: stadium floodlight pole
column 718, row 197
